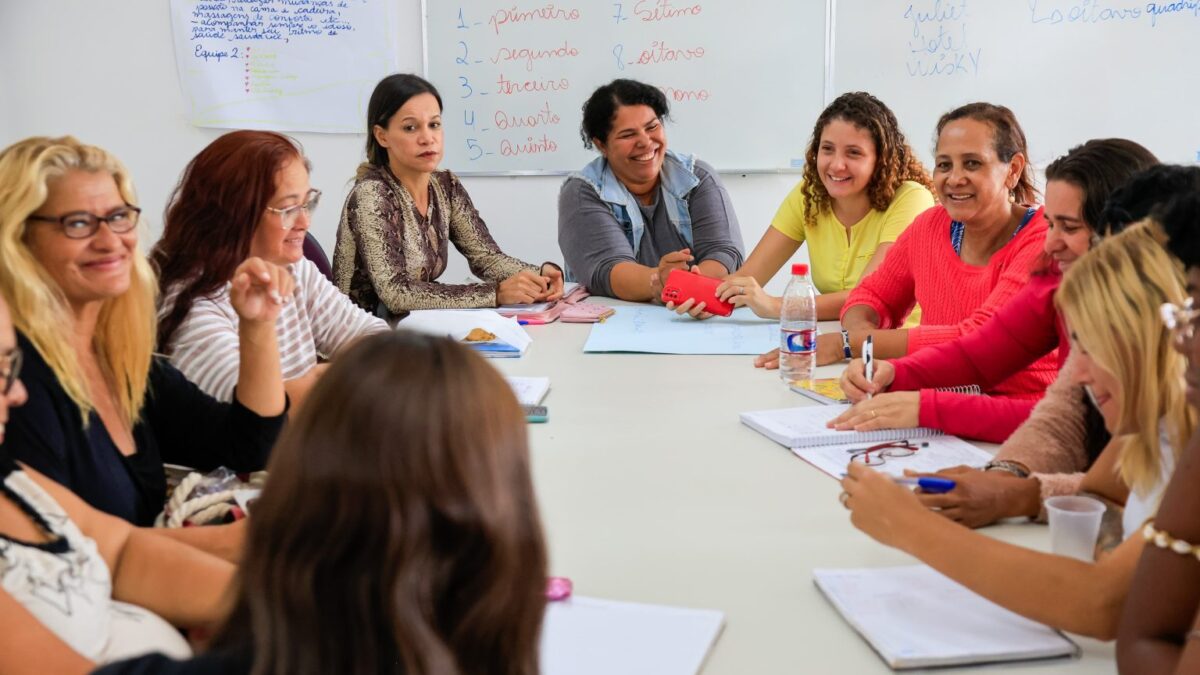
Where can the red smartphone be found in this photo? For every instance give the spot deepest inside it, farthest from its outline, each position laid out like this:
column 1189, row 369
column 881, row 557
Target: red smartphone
column 682, row 285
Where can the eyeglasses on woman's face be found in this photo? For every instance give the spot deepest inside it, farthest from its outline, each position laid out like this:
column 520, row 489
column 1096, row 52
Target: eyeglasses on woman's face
column 81, row 224
column 288, row 216
column 10, row 369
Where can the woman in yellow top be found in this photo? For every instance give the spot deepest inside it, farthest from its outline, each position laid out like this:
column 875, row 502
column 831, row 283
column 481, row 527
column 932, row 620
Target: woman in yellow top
column 862, row 186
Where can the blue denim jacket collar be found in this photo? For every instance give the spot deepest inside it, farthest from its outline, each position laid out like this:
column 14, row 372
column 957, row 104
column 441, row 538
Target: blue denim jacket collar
column 678, row 179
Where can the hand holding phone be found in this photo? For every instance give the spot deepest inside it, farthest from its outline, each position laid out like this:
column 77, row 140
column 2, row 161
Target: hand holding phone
column 680, row 286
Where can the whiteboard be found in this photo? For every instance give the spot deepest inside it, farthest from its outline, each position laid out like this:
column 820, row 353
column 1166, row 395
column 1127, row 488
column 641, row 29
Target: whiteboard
column 745, row 81
column 1069, row 69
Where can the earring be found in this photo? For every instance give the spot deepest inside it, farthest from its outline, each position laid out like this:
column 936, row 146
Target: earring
column 1012, row 196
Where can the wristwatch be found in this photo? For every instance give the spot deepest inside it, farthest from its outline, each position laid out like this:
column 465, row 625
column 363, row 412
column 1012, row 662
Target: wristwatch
column 1007, row 466
column 846, row 344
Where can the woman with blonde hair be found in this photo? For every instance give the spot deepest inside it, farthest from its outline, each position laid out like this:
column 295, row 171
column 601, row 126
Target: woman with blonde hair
column 104, row 412
column 1110, row 299
column 430, row 556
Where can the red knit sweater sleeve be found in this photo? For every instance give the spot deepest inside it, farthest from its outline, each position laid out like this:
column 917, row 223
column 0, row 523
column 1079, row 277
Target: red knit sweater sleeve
column 889, row 290
column 1017, row 258
column 984, row 418
column 1022, row 331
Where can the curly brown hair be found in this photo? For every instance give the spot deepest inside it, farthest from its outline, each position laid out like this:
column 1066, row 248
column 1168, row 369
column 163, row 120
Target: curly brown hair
column 895, row 161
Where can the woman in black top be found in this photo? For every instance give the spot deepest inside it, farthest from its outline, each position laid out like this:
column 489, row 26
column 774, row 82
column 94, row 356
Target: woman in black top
column 103, row 412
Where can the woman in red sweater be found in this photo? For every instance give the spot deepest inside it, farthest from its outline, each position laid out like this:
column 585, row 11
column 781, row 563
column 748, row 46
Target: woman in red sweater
column 1024, row 330
column 961, row 260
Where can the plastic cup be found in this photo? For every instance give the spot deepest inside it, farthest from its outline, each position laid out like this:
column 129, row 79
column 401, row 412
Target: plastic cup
column 1074, row 526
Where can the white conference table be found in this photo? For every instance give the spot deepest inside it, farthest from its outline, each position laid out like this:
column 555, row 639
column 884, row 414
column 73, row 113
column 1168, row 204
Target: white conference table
column 652, row 491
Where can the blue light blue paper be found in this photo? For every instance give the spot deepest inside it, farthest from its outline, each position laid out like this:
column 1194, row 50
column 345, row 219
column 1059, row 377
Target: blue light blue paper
column 657, row 330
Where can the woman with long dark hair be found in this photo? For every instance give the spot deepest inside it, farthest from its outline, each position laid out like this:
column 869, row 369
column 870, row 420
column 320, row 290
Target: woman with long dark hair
column 246, row 194
column 391, row 537
column 403, row 212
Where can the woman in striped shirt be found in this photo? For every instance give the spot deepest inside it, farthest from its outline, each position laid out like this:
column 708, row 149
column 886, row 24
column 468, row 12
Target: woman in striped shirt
column 246, row 194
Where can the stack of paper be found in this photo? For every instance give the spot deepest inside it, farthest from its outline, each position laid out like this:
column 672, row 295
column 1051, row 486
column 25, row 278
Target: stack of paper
column 586, row 636
column 915, row 617
column 511, row 340
column 529, row 390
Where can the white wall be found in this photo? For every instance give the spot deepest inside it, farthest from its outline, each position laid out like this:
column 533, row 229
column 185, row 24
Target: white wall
column 105, row 72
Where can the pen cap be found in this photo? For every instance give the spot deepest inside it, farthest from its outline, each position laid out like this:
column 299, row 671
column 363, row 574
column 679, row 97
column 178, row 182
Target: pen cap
column 799, row 268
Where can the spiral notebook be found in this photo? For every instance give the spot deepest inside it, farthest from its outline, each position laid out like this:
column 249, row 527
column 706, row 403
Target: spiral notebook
column 805, row 427
column 914, row 617
column 829, row 390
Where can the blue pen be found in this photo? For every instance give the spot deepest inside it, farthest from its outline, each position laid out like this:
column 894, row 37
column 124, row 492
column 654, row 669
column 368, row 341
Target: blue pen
column 935, row 486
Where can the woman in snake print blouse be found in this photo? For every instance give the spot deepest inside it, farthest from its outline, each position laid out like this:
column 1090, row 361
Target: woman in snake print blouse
column 402, row 212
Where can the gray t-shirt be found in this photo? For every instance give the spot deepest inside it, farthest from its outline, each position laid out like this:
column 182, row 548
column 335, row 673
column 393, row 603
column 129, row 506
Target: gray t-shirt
column 593, row 242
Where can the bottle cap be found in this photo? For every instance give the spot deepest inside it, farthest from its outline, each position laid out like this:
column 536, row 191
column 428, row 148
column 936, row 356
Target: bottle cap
column 799, row 268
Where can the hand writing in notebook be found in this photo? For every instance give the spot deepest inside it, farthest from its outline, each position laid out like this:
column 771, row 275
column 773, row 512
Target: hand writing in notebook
column 891, row 410
column 857, row 385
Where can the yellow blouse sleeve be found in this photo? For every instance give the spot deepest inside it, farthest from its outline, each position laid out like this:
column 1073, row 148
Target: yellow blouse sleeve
column 911, row 199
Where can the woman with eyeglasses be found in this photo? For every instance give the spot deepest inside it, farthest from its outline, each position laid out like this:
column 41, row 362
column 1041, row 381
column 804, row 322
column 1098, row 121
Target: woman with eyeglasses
column 403, row 212
column 247, row 194
column 104, row 413
column 1110, row 299
column 78, row 586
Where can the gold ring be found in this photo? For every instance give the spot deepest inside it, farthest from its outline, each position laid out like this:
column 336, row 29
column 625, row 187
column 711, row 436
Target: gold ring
column 844, row 497
column 874, row 414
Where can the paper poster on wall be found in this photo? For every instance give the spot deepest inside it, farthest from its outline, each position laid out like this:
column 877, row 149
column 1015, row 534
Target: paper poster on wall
column 286, row 65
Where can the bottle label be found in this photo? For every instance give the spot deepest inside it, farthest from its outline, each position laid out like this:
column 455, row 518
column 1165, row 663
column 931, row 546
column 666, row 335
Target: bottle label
column 800, row 341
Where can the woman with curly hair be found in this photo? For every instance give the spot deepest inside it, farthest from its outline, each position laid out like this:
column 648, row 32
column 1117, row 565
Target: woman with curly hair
column 862, row 186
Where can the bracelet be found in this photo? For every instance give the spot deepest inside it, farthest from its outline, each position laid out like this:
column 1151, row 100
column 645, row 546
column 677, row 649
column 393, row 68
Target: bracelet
column 846, row 345
column 1162, row 539
column 1007, row 466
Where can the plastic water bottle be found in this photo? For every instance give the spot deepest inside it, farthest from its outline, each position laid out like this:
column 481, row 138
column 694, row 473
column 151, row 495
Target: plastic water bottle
column 798, row 328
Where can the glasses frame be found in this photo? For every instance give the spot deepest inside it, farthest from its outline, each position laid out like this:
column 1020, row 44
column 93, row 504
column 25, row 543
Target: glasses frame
column 288, row 216
column 14, row 358
column 883, row 451
column 1180, row 320
column 93, row 221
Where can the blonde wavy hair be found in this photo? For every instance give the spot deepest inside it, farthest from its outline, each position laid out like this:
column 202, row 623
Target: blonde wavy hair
column 124, row 337
column 1110, row 299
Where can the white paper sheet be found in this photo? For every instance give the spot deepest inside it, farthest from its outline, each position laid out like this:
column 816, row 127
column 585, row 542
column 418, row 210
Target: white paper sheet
column 286, row 65
column 587, row 636
column 942, row 452
column 458, row 323
column 529, row 390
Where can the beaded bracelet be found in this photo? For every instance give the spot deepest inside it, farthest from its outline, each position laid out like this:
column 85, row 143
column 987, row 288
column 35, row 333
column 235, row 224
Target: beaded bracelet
column 1162, row 539
column 846, row 345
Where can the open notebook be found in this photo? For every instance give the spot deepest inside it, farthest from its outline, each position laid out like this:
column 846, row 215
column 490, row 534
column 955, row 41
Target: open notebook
column 914, row 617
column 805, row 426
